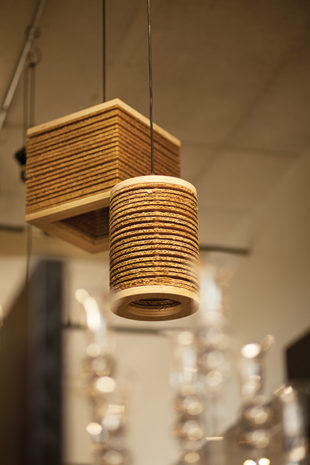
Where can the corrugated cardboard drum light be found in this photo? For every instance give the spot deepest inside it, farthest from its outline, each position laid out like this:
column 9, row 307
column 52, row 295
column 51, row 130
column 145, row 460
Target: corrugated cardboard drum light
column 154, row 248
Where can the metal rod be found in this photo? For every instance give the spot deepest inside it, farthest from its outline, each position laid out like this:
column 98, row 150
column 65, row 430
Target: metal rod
column 25, row 104
column 29, row 120
column 20, row 63
column 11, row 228
column 163, row 332
column 150, row 82
column 223, row 249
column 32, row 94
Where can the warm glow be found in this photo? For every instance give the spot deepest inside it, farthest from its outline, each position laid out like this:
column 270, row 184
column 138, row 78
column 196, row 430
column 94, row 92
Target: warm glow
column 288, row 390
column 93, row 350
column 193, row 405
column 264, row 461
column 249, row 462
column 193, row 430
column 116, row 409
column 211, row 294
column 81, row 295
column 286, row 393
column 298, row 453
column 93, row 428
column 279, row 390
column 191, row 457
column 111, row 422
column 186, row 338
column 105, row 384
column 267, row 342
column 191, row 369
column 214, row 379
column 113, row 457
column 93, row 316
column 251, row 350
column 258, row 414
column 259, row 438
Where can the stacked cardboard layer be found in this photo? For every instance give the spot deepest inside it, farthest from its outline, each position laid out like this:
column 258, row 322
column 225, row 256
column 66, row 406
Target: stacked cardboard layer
column 154, row 247
column 73, row 163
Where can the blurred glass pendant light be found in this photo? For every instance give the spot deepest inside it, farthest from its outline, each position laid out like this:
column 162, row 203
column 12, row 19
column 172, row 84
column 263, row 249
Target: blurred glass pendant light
column 213, row 346
column 154, row 240
column 189, row 399
column 293, row 427
column 256, row 413
column 106, row 395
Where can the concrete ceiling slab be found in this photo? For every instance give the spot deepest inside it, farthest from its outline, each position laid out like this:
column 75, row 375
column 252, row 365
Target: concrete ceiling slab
column 224, row 228
column 237, row 181
column 281, row 120
column 230, row 80
column 193, row 159
column 212, row 61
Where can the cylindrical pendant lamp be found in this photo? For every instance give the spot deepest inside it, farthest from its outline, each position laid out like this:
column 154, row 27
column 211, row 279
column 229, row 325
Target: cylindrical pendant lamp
column 154, row 248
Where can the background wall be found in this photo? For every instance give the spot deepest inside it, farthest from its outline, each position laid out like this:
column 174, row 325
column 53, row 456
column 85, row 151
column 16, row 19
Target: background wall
column 269, row 294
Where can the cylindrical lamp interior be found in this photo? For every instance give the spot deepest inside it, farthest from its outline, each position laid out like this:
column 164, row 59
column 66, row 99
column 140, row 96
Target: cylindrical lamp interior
column 154, row 248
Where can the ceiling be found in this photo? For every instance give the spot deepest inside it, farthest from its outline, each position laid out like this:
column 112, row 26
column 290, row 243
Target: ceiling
column 231, row 80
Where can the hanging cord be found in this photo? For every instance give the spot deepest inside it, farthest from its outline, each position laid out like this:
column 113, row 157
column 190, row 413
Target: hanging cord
column 150, row 82
column 32, row 68
column 103, row 52
column 29, row 118
column 26, row 104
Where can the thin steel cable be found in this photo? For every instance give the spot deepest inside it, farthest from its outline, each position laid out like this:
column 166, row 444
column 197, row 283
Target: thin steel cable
column 150, row 82
column 32, row 83
column 29, row 118
column 25, row 105
column 104, row 90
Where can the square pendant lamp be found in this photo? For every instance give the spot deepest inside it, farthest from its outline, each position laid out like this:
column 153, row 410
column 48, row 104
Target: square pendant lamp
column 73, row 163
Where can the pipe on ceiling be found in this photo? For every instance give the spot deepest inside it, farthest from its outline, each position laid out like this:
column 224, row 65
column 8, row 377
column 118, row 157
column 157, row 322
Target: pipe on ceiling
column 21, row 62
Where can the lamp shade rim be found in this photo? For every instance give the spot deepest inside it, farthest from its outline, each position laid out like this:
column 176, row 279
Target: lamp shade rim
column 154, row 178
column 180, row 302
